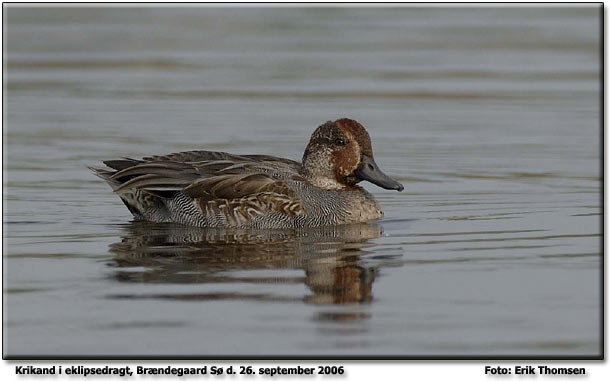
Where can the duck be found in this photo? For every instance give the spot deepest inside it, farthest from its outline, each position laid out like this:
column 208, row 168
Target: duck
column 224, row 190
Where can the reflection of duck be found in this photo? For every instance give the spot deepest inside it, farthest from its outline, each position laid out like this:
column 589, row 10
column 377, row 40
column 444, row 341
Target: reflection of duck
column 339, row 282
column 169, row 253
column 218, row 189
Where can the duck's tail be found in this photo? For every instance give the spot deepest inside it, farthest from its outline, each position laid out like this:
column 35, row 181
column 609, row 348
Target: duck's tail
column 105, row 175
column 143, row 205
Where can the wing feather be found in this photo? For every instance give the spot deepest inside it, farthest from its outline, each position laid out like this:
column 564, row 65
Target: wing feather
column 206, row 175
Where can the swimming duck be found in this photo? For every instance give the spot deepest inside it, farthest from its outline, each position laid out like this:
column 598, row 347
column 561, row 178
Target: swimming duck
column 219, row 189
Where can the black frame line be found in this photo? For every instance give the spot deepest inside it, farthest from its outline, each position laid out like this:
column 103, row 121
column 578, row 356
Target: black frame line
column 377, row 358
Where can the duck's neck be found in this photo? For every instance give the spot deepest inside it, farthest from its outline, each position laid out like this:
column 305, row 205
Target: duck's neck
column 324, row 182
column 319, row 176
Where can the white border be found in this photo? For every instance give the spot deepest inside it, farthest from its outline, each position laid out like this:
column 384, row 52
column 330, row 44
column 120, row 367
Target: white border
column 355, row 370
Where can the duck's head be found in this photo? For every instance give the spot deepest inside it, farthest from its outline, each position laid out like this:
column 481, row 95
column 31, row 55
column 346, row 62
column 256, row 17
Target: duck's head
column 339, row 154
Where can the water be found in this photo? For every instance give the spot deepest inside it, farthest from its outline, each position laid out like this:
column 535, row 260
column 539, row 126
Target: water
column 489, row 117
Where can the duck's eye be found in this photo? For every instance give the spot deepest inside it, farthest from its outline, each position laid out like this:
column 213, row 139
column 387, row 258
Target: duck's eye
column 340, row 142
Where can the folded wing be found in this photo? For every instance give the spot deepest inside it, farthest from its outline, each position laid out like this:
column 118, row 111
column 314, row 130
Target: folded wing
column 246, row 185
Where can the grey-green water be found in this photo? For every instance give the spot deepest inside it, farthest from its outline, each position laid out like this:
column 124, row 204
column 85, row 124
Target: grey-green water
column 489, row 117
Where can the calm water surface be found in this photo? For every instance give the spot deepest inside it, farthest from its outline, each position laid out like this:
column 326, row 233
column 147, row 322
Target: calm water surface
column 489, row 117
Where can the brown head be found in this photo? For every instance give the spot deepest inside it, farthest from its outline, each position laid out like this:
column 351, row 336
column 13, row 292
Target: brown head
column 339, row 154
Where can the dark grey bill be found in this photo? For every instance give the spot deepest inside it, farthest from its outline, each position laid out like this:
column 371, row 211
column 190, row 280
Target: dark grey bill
column 369, row 171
